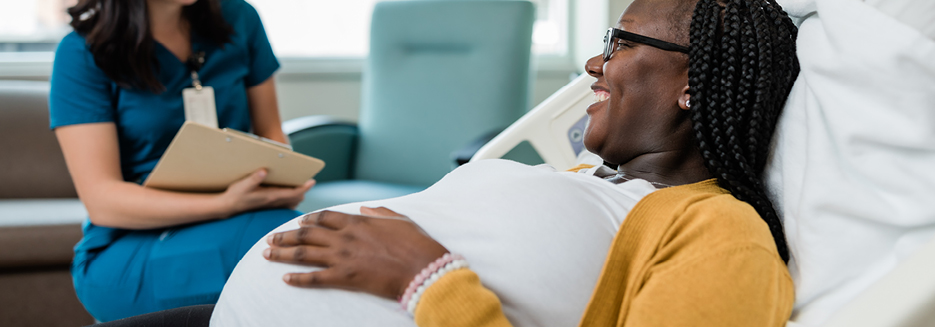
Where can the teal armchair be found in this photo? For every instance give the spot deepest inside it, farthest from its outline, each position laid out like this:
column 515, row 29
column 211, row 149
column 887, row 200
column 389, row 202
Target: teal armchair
column 439, row 75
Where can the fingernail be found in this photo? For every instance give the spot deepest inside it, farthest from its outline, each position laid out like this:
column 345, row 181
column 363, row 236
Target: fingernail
column 271, row 239
column 287, row 278
column 267, row 252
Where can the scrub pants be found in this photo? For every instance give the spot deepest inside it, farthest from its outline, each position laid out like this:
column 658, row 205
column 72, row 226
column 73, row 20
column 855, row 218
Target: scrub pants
column 152, row 270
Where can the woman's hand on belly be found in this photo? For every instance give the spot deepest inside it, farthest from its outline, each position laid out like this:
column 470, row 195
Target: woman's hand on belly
column 247, row 194
column 378, row 252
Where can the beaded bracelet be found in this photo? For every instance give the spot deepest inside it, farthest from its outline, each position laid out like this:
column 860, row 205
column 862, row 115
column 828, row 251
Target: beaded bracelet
column 429, row 276
column 451, row 266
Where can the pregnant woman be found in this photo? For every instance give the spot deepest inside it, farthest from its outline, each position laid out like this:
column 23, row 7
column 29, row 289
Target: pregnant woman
column 689, row 93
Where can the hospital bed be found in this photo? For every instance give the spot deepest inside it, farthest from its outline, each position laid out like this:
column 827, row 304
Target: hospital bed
column 905, row 297
column 554, row 128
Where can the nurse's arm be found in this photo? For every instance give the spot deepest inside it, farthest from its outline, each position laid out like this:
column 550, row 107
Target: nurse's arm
column 264, row 111
column 92, row 155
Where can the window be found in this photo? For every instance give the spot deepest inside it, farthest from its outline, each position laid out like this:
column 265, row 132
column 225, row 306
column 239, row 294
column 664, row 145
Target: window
column 33, row 25
column 550, row 31
column 320, row 28
column 296, row 28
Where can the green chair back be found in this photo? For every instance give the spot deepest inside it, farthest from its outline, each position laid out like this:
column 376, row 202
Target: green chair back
column 439, row 75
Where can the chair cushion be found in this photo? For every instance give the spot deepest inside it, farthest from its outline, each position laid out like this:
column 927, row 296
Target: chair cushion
column 37, row 246
column 39, row 232
column 329, row 194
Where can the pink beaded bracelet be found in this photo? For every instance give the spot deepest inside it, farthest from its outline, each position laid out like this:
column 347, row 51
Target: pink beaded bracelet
column 427, row 272
column 451, row 266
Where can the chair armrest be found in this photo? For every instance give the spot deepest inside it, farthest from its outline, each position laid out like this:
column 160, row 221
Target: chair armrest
column 328, row 139
column 463, row 155
column 523, row 152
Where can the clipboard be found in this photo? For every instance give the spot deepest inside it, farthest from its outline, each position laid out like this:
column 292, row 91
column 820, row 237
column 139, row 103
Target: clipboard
column 206, row 159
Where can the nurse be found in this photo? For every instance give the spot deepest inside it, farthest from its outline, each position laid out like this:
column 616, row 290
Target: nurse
column 116, row 103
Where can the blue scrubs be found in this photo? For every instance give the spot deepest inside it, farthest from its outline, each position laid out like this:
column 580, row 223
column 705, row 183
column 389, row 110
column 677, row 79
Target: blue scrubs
column 120, row 273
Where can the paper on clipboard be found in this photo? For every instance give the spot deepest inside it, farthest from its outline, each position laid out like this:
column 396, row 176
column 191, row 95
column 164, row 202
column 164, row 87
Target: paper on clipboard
column 207, row 159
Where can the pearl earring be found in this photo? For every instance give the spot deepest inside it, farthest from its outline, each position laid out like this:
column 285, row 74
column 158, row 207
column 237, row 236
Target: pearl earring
column 688, row 103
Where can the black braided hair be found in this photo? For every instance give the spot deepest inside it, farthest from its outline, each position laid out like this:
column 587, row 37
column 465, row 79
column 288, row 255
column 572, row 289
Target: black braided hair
column 741, row 68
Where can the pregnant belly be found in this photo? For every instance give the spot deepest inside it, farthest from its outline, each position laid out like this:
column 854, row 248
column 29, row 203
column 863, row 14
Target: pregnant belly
column 538, row 239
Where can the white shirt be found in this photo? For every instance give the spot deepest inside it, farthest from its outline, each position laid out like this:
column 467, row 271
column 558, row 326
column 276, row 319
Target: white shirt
column 536, row 237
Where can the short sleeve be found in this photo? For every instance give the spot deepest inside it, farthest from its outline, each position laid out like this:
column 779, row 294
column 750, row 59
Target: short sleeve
column 80, row 91
column 263, row 62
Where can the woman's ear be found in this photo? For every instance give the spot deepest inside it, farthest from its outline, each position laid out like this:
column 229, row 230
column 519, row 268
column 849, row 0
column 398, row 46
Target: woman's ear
column 684, row 102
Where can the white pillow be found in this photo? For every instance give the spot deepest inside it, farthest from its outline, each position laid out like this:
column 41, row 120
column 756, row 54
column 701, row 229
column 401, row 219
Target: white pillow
column 854, row 165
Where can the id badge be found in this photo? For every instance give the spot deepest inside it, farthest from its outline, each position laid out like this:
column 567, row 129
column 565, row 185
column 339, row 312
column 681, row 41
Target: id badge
column 199, row 106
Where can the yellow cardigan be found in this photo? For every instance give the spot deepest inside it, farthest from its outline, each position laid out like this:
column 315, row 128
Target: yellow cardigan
column 689, row 255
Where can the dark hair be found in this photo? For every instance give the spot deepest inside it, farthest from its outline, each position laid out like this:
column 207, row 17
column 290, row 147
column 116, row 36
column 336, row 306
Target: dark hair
column 742, row 65
column 118, row 35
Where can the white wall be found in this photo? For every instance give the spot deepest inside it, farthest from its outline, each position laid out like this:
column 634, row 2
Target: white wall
column 335, row 95
column 590, row 20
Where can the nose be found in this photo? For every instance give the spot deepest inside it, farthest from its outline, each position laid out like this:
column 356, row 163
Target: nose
column 595, row 66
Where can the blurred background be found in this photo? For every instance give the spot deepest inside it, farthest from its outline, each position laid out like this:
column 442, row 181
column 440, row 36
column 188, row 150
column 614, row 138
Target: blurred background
column 321, row 45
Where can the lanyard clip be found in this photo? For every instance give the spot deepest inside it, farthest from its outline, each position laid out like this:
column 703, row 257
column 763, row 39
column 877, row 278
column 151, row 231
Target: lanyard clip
column 195, row 62
column 195, row 81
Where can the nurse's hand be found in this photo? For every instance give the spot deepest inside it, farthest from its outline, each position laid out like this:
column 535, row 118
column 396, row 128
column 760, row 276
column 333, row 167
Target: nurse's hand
column 247, row 194
column 378, row 252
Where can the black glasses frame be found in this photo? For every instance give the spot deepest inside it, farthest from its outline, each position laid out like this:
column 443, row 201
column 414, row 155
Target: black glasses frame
column 615, row 33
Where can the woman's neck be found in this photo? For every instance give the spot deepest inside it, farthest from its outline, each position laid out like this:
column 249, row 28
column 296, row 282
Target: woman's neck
column 169, row 27
column 165, row 17
column 666, row 168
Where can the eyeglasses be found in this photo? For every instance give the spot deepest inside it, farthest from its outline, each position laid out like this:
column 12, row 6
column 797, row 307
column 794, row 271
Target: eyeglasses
column 614, row 33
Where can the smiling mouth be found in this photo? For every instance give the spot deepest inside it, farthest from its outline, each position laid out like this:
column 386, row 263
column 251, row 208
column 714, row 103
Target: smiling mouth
column 601, row 95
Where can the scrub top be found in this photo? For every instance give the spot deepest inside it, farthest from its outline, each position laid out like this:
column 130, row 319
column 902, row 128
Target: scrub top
column 146, row 122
